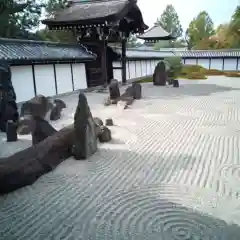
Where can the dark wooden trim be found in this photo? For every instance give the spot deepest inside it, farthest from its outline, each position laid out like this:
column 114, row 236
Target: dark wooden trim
column 124, row 61
column 55, row 78
column 117, row 68
column 237, row 64
column 104, row 62
column 73, row 88
column 223, row 64
column 34, row 80
column 184, row 61
column 210, row 63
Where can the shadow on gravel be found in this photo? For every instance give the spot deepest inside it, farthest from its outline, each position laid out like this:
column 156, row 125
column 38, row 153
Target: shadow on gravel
column 185, row 90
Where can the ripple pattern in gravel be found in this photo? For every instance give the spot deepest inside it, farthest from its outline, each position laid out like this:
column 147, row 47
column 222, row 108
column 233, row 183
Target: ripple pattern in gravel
column 171, row 172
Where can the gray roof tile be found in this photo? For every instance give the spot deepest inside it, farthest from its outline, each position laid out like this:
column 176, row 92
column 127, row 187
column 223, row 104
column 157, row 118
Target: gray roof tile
column 15, row 49
column 156, row 33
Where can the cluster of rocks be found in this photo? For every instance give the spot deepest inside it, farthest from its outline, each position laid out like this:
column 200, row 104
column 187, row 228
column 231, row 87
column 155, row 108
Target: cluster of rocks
column 103, row 132
column 36, row 109
column 51, row 147
column 160, row 76
column 127, row 98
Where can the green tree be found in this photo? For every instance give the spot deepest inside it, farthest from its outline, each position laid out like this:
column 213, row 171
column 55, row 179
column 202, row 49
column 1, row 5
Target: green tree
column 51, row 7
column 18, row 19
column 170, row 22
column 200, row 29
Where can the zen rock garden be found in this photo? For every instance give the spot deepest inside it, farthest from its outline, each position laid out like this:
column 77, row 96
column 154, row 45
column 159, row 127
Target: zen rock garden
column 49, row 146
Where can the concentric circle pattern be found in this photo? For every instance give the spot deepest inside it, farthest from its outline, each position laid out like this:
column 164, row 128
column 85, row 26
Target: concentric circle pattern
column 171, row 172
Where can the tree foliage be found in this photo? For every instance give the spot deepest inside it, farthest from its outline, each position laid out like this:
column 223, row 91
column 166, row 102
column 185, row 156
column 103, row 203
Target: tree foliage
column 200, row 29
column 17, row 20
column 170, row 22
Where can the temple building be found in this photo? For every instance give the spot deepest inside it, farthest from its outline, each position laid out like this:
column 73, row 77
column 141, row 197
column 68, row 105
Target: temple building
column 95, row 23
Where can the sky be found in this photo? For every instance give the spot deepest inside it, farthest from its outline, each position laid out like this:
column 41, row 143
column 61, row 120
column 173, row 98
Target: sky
column 219, row 10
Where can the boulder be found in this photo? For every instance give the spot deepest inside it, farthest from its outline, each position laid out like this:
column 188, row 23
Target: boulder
column 41, row 130
column 25, row 125
column 98, row 124
column 175, row 83
column 56, row 113
column 107, row 102
column 114, row 91
column 109, row 122
column 60, row 103
column 105, row 135
column 160, row 74
column 137, row 90
column 85, row 142
column 11, row 131
column 37, row 107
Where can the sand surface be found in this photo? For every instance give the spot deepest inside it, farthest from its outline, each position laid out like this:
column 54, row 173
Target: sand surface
column 172, row 171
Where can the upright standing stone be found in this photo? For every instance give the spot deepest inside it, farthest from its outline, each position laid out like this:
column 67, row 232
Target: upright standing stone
column 137, row 90
column 85, row 142
column 175, row 83
column 8, row 106
column 11, row 130
column 114, row 90
column 160, row 74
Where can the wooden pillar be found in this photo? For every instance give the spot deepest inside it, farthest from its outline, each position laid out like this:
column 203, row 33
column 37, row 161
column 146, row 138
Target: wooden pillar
column 124, row 62
column 104, row 62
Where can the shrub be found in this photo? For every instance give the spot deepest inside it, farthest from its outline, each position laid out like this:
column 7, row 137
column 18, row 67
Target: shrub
column 175, row 66
column 144, row 80
column 213, row 72
column 232, row 74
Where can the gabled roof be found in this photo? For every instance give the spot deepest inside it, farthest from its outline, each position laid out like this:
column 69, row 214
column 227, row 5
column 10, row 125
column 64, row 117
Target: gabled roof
column 156, row 33
column 95, row 12
column 39, row 51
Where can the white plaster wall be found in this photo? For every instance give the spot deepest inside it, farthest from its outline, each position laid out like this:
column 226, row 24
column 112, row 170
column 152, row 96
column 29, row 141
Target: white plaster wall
column 204, row 62
column 149, row 72
column 127, row 70
column 45, row 81
column 22, row 80
column 144, row 68
column 153, row 65
column 132, row 69
column 79, row 76
column 191, row 61
column 64, row 78
column 138, row 68
column 239, row 64
column 216, row 64
column 117, row 73
column 230, row 64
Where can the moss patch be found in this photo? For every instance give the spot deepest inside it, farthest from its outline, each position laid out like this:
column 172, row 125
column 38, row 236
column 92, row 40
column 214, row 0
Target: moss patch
column 196, row 72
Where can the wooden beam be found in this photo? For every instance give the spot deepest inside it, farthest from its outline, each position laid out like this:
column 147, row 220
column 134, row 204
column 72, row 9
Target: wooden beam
column 124, row 62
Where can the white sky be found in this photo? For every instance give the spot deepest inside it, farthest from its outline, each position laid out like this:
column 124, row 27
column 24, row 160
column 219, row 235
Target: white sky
column 219, row 10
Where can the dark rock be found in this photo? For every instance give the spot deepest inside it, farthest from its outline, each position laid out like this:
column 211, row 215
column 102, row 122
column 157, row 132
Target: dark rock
column 25, row 167
column 11, row 131
column 25, row 126
column 105, row 135
column 109, row 122
column 60, row 103
column 176, row 83
column 98, row 123
column 114, row 89
column 137, row 90
column 41, row 130
column 55, row 113
column 37, row 107
column 85, row 143
column 160, row 74
column 8, row 106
